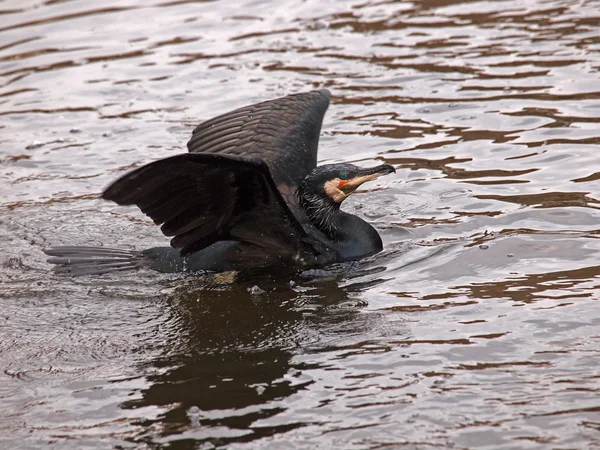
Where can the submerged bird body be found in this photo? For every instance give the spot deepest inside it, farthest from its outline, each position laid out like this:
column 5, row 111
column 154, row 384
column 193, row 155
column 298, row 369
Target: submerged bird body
column 249, row 195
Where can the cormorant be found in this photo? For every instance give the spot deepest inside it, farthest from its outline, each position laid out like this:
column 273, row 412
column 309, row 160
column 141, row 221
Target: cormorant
column 248, row 195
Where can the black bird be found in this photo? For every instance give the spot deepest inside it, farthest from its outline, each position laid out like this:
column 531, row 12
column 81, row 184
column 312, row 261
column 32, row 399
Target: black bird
column 248, row 195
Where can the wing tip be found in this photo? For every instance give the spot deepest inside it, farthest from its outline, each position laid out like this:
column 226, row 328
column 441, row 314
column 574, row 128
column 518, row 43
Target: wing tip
column 325, row 92
column 322, row 94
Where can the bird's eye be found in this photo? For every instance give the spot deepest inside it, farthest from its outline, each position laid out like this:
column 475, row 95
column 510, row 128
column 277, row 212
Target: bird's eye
column 344, row 176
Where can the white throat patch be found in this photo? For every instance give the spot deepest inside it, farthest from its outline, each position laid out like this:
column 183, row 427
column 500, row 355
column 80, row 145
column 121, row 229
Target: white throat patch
column 332, row 190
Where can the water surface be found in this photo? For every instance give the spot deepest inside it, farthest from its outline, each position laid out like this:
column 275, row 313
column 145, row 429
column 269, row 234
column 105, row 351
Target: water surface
column 478, row 326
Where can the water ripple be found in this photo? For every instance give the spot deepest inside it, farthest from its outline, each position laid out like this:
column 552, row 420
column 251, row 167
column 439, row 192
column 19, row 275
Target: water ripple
column 476, row 327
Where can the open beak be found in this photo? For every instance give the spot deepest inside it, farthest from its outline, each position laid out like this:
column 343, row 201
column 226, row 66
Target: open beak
column 365, row 175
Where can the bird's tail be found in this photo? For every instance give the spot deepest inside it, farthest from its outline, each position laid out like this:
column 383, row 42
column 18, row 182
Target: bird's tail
column 80, row 260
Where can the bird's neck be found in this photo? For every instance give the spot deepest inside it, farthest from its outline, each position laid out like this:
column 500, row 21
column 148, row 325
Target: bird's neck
column 322, row 213
column 352, row 237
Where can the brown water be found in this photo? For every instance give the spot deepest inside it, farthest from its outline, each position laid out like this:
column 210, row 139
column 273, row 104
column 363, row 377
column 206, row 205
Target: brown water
column 477, row 327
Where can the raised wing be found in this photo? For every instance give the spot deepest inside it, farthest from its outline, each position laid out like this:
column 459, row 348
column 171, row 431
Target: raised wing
column 283, row 132
column 200, row 199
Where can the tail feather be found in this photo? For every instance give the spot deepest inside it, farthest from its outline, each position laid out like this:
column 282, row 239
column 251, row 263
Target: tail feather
column 82, row 260
column 64, row 250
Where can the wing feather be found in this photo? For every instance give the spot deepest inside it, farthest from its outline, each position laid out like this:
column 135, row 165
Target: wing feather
column 283, row 132
column 202, row 198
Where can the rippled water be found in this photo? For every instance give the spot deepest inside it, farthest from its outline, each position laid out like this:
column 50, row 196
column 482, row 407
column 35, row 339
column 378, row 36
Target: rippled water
column 477, row 327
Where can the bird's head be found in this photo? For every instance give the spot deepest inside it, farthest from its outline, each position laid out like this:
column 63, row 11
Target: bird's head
column 335, row 182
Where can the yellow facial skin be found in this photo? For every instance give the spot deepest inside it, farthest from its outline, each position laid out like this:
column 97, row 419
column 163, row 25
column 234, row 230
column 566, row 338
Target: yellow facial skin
column 338, row 189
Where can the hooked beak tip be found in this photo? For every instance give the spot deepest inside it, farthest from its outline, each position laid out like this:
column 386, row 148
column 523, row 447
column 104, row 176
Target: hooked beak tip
column 386, row 169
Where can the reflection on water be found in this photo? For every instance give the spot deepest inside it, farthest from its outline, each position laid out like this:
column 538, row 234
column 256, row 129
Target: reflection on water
column 476, row 327
column 232, row 354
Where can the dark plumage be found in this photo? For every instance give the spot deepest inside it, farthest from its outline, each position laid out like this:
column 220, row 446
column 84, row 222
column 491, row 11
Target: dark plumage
column 248, row 196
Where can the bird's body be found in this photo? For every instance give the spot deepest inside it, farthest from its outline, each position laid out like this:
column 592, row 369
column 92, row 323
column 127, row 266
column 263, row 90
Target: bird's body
column 248, row 195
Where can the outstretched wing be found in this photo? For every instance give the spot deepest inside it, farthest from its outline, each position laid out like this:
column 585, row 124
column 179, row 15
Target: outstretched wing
column 283, row 132
column 200, row 199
